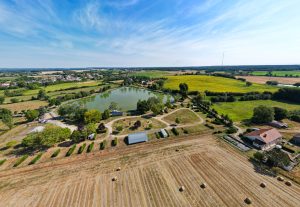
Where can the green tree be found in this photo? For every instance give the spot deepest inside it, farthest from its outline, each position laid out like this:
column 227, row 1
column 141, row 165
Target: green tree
column 142, row 106
column 184, row 88
column 91, row 128
column 78, row 136
column 156, row 109
column 92, row 116
column 31, row 115
column 2, row 99
column 197, row 100
column 263, row 114
column 177, row 120
column 47, row 138
column 280, row 113
column 106, row 114
column 42, row 95
column 248, row 83
column 278, row 158
column 7, row 119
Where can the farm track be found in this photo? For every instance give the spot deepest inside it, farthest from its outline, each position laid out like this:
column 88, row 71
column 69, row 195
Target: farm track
column 151, row 175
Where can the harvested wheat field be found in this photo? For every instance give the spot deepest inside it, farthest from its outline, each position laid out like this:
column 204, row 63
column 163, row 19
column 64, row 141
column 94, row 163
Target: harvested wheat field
column 264, row 79
column 150, row 174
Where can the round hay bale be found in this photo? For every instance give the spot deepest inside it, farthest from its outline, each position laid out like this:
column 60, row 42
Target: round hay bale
column 203, row 185
column 248, row 201
column 119, row 168
column 280, row 178
column 288, row 183
column 263, row 185
column 114, row 179
column 181, row 188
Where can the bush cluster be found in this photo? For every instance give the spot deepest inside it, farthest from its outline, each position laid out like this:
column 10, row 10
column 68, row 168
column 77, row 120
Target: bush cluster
column 90, row 147
column 36, row 159
column 55, row 153
column 103, row 145
column 175, row 131
column 71, row 150
column 20, row 160
column 81, row 148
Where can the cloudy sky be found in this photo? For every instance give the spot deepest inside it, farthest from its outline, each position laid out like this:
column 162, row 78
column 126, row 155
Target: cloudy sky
column 82, row 33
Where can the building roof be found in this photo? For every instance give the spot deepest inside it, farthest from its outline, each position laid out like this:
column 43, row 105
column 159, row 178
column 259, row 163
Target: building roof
column 137, row 137
column 266, row 135
column 163, row 132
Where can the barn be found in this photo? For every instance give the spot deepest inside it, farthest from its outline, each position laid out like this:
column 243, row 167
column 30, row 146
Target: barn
column 137, row 138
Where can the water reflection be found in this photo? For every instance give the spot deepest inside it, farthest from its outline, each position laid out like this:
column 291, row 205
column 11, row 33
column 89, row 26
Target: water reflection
column 125, row 97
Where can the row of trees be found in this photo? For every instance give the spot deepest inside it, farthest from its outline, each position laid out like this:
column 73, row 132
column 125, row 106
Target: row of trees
column 152, row 104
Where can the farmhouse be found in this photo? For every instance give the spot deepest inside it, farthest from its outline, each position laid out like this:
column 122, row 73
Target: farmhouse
column 264, row 138
column 137, row 138
column 296, row 139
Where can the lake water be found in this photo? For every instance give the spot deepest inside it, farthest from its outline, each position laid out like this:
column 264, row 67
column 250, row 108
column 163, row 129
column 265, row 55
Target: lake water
column 125, row 97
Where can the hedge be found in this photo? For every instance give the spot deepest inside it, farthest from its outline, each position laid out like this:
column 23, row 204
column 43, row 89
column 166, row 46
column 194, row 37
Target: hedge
column 71, row 150
column 81, row 148
column 175, row 131
column 90, row 147
column 55, row 153
column 20, row 160
column 2, row 161
column 36, row 159
column 103, row 145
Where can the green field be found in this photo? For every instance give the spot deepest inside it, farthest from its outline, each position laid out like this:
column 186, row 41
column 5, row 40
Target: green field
column 151, row 73
column 216, row 84
column 63, row 86
column 277, row 73
column 242, row 110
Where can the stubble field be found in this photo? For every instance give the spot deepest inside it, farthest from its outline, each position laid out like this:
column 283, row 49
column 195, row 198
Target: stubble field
column 151, row 175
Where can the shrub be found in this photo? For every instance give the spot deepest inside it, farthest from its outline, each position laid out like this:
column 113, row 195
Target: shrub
column 209, row 126
column 81, row 148
column 177, row 120
column 115, row 142
column 231, row 130
column 119, row 128
column 258, row 156
column 185, row 131
column 20, row 160
column 55, row 153
column 90, row 147
column 175, row 131
column 157, row 135
column 103, row 145
column 2, row 161
column 71, row 150
column 36, row 159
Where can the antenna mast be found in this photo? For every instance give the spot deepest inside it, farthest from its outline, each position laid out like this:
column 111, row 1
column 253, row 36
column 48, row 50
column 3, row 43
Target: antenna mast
column 223, row 59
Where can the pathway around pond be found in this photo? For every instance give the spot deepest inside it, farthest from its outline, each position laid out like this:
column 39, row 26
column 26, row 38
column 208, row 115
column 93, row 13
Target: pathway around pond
column 109, row 125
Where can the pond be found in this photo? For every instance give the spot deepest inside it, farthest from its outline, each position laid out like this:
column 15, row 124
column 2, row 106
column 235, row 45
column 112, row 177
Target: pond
column 125, row 97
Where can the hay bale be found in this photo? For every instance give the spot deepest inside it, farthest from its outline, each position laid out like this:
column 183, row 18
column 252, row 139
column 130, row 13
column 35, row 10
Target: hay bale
column 118, row 169
column 203, row 185
column 177, row 150
column 248, row 201
column 114, row 179
column 181, row 188
column 263, row 185
column 288, row 183
column 280, row 179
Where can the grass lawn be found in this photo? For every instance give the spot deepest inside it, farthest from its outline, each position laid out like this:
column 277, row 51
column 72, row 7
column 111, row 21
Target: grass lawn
column 151, row 73
column 24, row 105
column 277, row 73
column 242, row 110
column 128, row 123
column 215, row 84
column 185, row 117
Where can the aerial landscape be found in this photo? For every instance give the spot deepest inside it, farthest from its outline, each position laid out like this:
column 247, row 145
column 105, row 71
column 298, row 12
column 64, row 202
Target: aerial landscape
column 138, row 103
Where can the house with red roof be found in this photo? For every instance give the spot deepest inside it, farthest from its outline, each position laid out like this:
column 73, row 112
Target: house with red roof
column 264, row 139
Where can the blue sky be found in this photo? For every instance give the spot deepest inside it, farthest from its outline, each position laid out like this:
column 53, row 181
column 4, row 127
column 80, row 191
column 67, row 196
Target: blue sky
column 83, row 33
